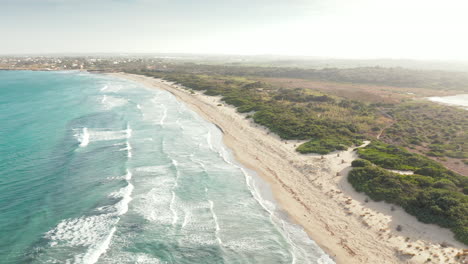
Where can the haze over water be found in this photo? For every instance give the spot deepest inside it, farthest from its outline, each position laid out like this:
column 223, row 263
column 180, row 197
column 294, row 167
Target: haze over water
column 95, row 169
column 456, row 100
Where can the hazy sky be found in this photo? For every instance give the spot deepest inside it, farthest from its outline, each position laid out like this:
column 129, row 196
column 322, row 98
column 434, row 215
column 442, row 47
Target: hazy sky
column 419, row 29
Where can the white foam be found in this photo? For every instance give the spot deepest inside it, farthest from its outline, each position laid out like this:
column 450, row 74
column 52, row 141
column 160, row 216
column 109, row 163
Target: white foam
column 325, row 259
column 106, row 135
column 138, row 106
column 94, row 232
column 93, row 253
column 110, row 102
column 91, row 135
column 208, row 140
column 160, row 168
column 171, row 207
column 145, row 259
column 198, row 240
column 84, row 137
column 128, row 131
column 246, row 245
column 164, row 116
column 124, row 193
column 128, row 176
column 154, row 205
column 104, row 88
column 215, row 218
column 127, row 148
column 296, row 237
column 187, row 215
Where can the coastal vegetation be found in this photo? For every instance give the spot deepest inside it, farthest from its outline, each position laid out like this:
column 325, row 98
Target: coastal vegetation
column 328, row 123
column 435, row 130
column 395, row 76
column 433, row 193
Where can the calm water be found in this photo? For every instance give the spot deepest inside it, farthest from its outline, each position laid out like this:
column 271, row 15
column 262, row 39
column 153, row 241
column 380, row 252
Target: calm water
column 456, row 100
column 95, row 169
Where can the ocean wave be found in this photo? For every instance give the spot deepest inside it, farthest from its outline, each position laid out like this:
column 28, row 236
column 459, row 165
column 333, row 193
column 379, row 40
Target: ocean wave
column 164, row 115
column 86, row 135
column 154, row 205
column 216, row 223
column 110, row 102
column 92, row 232
column 157, row 168
column 302, row 247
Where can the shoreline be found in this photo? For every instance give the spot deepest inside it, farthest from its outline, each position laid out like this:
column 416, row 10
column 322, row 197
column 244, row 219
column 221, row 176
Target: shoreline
column 315, row 194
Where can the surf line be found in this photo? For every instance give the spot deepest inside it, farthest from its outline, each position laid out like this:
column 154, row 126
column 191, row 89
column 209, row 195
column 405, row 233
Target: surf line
column 175, row 217
column 84, row 138
column 215, row 219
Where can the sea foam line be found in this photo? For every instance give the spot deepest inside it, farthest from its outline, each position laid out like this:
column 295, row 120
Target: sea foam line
column 89, row 135
column 92, row 256
column 208, row 139
column 175, row 217
column 215, row 218
column 84, row 138
column 128, row 148
column 267, row 206
column 174, row 212
column 88, row 231
column 128, row 131
column 163, row 118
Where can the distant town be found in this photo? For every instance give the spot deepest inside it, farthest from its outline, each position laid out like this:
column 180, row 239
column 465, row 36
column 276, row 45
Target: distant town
column 74, row 63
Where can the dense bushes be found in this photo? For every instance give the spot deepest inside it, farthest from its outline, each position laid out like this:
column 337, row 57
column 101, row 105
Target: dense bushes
column 360, row 163
column 439, row 131
column 327, row 144
column 433, row 194
column 396, row 158
column 393, row 157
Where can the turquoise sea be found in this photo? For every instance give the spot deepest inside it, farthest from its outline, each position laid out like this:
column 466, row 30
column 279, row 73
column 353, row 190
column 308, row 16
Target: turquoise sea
column 96, row 169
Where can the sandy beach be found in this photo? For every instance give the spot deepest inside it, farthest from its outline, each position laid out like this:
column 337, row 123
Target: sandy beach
column 314, row 191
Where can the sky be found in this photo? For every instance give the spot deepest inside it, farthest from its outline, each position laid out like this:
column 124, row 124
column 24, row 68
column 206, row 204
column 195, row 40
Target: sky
column 357, row 29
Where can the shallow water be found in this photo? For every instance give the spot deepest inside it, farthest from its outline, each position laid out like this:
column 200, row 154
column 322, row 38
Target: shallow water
column 95, row 169
column 456, row 100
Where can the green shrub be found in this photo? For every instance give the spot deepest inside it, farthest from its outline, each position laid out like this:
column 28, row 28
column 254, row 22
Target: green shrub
column 433, row 194
column 325, row 145
column 360, row 163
